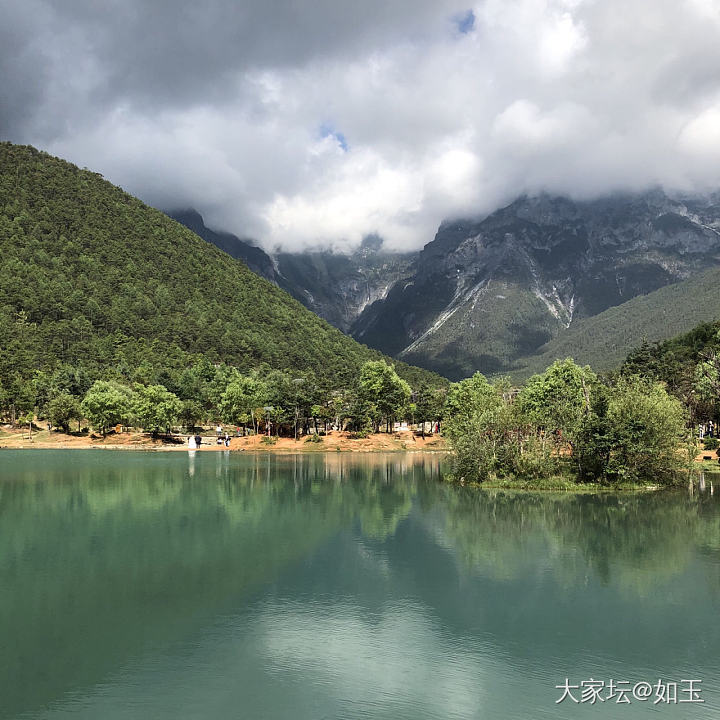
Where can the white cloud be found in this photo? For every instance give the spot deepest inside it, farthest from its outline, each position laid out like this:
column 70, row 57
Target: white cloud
column 561, row 40
column 241, row 115
column 701, row 135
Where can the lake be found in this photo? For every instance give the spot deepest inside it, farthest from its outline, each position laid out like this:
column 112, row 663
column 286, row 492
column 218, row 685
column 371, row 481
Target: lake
column 219, row 585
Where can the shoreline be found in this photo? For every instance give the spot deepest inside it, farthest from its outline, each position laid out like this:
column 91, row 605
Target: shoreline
column 249, row 451
column 334, row 441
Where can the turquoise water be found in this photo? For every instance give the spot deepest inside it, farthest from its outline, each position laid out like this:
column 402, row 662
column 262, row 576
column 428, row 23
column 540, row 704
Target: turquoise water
column 159, row 585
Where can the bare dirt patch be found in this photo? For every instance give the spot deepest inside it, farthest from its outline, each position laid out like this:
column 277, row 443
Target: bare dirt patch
column 334, row 441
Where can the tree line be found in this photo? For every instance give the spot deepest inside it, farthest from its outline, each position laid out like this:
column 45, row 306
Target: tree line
column 272, row 401
column 568, row 422
column 96, row 285
column 637, row 424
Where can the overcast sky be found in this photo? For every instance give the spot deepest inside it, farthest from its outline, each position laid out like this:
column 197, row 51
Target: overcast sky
column 315, row 122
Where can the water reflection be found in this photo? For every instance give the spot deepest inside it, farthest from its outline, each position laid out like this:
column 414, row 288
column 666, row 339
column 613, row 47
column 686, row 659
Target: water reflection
column 349, row 585
column 636, row 540
column 104, row 555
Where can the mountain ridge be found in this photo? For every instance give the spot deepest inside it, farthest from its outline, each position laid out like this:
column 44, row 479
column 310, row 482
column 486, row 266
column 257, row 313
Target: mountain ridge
column 487, row 293
column 97, row 282
column 483, row 294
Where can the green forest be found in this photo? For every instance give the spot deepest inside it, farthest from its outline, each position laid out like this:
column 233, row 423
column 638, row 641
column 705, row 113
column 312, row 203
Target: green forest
column 641, row 422
column 99, row 287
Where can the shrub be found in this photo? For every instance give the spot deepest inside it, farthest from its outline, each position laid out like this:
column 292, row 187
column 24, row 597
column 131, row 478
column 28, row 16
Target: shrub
column 634, row 433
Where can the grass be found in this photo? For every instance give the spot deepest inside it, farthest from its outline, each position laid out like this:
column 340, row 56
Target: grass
column 604, row 340
column 564, row 482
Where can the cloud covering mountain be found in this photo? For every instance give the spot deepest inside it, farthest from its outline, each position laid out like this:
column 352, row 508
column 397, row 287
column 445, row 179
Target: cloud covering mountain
column 314, row 124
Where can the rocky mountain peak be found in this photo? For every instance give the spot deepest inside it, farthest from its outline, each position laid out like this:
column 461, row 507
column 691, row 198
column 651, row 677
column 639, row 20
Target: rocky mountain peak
column 483, row 293
column 486, row 292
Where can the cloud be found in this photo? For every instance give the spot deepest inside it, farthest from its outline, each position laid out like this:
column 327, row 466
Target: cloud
column 315, row 124
column 445, row 674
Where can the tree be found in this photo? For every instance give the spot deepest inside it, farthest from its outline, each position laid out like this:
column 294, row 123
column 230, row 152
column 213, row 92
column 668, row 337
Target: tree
column 19, row 396
column 385, row 391
column 303, row 394
column 464, row 398
column 707, row 377
column 62, row 409
column 155, row 407
column 558, row 400
column 649, row 427
column 319, row 412
column 190, row 412
column 635, row 432
column 194, row 383
column 481, row 426
column 27, row 418
column 341, row 405
column 42, row 391
column 222, row 376
column 106, row 404
column 242, row 397
column 429, row 402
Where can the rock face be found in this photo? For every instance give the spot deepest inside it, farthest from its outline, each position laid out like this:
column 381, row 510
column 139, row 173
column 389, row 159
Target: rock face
column 340, row 287
column 484, row 294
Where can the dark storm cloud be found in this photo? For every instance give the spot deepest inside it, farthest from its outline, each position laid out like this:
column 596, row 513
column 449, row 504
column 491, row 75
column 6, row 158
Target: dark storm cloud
column 24, row 72
column 171, row 53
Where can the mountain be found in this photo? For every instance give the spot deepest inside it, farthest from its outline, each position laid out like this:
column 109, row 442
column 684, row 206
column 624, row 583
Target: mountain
column 92, row 279
column 339, row 287
column 485, row 294
column 509, row 292
column 335, row 286
column 604, row 340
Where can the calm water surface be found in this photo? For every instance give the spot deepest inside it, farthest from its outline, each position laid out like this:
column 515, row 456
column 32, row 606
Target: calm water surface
column 139, row 585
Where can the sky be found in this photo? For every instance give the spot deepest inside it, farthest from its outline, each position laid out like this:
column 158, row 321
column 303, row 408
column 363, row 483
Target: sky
column 313, row 123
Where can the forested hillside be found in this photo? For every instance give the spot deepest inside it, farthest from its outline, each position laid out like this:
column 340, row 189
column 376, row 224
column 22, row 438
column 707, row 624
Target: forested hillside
column 604, row 340
column 94, row 283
